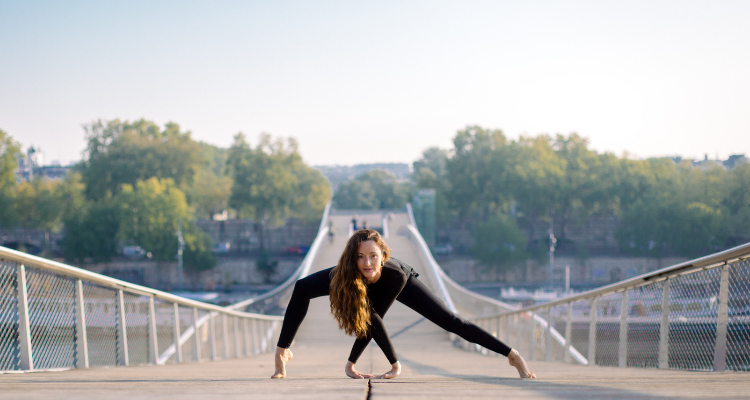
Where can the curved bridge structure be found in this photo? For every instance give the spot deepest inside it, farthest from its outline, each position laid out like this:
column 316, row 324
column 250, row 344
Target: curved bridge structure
column 678, row 332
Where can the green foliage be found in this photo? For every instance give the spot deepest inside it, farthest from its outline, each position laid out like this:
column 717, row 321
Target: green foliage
column 9, row 152
column 373, row 190
column 666, row 208
column 121, row 153
column 197, row 256
column 272, row 183
column 356, row 195
column 91, row 233
column 498, row 243
column 150, row 214
column 477, row 173
column 211, row 188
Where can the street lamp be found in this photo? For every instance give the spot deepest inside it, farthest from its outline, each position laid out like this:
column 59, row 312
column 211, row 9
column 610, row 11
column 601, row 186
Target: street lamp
column 552, row 245
column 180, row 249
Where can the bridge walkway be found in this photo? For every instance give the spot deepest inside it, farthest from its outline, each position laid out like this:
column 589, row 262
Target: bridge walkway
column 432, row 367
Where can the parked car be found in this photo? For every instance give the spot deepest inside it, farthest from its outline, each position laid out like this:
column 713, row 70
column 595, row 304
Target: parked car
column 442, row 249
column 134, row 252
column 297, row 249
column 220, row 248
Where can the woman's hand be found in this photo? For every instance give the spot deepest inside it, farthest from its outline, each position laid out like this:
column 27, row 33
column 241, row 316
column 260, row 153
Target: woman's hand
column 354, row 374
column 394, row 372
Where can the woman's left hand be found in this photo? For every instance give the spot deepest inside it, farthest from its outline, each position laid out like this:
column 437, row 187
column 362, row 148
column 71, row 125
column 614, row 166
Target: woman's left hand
column 394, row 372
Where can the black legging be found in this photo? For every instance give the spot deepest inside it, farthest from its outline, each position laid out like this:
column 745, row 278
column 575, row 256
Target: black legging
column 405, row 288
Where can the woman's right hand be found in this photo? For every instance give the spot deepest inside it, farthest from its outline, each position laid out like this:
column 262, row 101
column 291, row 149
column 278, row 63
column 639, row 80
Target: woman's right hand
column 354, row 374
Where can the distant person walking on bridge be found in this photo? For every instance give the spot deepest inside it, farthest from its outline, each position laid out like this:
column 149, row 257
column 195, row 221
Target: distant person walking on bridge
column 362, row 287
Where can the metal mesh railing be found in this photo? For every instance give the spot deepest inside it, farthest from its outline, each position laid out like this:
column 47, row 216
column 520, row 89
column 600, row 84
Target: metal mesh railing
column 55, row 316
column 52, row 319
column 690, row 316
column 9, row 346
column 100, row 307
column 738, row 328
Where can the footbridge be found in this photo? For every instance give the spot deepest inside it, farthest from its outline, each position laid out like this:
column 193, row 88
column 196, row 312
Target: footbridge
column 680, row 332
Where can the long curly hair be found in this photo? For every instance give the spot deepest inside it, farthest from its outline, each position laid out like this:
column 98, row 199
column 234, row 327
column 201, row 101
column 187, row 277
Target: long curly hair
column 348, row 292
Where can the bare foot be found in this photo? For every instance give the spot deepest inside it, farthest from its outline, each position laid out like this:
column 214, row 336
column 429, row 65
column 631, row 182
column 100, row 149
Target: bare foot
column 515, row 360
column 354, row 374
column 282, row 357
column 394, row 372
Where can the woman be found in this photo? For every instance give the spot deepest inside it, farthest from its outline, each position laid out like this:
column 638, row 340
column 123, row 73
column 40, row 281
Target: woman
column 362, row 287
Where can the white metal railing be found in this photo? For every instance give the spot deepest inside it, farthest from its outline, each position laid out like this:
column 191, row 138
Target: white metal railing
column 54, row 316
column 694, row 315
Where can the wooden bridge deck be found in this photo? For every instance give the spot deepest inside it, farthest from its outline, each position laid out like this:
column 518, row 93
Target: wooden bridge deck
column 432, row 368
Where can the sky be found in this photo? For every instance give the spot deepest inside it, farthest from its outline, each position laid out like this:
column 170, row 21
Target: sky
column 364, row 82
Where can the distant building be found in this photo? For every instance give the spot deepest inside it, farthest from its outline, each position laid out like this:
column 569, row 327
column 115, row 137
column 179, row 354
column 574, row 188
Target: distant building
column 31, row 165
column 337, row 174
column 733, row 161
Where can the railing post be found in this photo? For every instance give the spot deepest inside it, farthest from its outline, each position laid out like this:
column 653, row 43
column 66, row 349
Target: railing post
column 568, row 332
column 720, row 346
column 225, row 335
column 664, row 329
column 497, row 329
column 254, row 332
column 592, row 330
column 212, row 335
column 622, row 354
column 532, row 337
column 548, row 337
column 176, row 333
column 237, row 351
column 196, row 337
column 153, row 340
column 82, row 348
column 122, row 330
column 24, row 328
column 263, row 337
column 246, row 336
column 506, row 331
column 518, row 330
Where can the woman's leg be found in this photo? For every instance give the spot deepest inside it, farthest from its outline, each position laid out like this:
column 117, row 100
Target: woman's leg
column 419, row 298
column 312, row 286
column 309, row 287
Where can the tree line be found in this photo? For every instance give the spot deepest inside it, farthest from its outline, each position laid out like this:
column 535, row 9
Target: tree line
column 506, row 187
column 138, row 184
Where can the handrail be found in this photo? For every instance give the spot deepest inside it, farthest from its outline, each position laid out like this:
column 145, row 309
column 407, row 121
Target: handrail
column 92, row 277
column 728, row 256
column 302, row 270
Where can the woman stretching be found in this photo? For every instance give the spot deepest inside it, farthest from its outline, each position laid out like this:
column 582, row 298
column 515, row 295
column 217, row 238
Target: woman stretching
column 362, row 287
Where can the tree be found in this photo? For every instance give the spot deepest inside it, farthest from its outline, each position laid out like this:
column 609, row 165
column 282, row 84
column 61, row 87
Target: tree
column 498, row 243
column 209, row 193
column 150, row 214
column 120, row 153
column 9, row 152
column 374, row 190
column 91, row 233
column 270, row 180
column 477, row 173
column 356, row 195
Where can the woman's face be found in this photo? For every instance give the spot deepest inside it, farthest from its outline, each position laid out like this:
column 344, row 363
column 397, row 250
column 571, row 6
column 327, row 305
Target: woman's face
column 370, row 260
